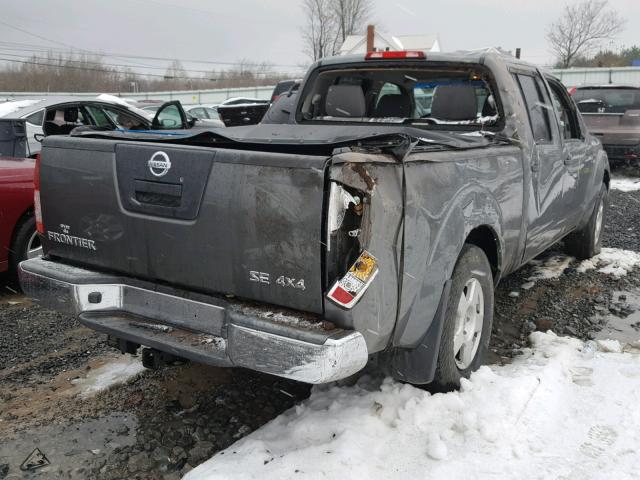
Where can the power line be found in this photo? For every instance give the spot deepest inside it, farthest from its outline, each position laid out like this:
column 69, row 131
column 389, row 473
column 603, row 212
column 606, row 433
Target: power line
column 65, row 60
column 49, row 39
column 101, row 66
column 105, row 70
column 184, row 60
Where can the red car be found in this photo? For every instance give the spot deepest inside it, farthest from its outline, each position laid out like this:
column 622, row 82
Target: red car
column 18, row 238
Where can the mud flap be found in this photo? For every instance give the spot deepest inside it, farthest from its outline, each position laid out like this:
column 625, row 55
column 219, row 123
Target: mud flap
column 418, row 365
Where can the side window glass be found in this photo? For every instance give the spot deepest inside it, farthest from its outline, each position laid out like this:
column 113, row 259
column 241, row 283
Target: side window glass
column 123, row 120
column 537, row 107
column 169, row 117
column 36, row 118
column 566, row 117
column 100, row 118
column 198, row 113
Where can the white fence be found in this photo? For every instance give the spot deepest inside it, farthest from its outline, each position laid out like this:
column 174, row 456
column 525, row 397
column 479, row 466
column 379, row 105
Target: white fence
column 186, row 97
column 572, row 77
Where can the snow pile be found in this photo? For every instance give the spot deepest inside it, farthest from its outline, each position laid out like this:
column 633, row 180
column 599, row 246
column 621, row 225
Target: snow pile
column 625, row 184
column 9, row 107
column 562, row 410
column 551, row 267
column 612, row 261
column 110, row 374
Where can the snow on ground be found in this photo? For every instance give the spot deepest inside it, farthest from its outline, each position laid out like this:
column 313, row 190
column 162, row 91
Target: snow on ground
column 9, row 107
column 112, row 373
column 612, row 261
column 625, row 184
column 563, row 410
column 551, row 267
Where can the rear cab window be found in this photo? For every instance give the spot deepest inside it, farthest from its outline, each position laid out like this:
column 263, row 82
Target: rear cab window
column 429, row 96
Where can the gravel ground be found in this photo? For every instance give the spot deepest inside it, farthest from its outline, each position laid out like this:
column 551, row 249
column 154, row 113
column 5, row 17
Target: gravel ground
column 163, row 423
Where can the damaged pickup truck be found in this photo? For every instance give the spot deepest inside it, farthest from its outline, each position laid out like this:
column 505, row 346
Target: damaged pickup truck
column 374, row 223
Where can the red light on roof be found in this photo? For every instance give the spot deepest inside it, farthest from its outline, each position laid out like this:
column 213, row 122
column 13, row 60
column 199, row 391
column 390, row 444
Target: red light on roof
column 395, row 54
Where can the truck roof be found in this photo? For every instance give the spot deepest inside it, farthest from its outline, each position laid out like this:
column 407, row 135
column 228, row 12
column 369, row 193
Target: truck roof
column 461, row 56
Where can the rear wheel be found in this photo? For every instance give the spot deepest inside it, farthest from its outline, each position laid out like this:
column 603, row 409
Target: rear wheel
column 467, row 324
column 587, row 242
column 26, row 243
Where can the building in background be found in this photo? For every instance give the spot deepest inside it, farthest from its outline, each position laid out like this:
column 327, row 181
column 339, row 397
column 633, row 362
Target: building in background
column 384, row 41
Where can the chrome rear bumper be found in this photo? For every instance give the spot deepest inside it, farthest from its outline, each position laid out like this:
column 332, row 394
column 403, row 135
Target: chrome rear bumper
column 206, row 329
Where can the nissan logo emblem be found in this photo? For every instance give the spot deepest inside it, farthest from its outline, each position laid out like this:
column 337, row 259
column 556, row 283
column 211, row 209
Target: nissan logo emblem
column 159, row 164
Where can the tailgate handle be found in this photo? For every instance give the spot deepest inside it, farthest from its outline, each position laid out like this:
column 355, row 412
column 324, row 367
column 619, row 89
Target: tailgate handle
column 158, row 193
column 172, row 189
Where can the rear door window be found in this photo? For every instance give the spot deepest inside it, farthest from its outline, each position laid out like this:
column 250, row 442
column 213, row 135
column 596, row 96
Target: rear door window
column 565, row 114
column 538, row 107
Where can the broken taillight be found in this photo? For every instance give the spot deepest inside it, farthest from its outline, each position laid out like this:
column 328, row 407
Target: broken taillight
column 36, row 196
column 395, row 54
column 348, row 290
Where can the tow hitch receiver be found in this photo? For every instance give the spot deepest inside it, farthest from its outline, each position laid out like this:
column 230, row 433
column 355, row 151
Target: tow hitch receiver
column 155, row 359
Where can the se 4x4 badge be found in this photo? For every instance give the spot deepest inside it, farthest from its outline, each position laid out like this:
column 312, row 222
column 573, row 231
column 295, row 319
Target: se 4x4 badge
column 347, row 291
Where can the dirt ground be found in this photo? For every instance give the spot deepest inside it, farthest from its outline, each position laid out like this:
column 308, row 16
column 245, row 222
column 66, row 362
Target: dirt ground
column 58, row 419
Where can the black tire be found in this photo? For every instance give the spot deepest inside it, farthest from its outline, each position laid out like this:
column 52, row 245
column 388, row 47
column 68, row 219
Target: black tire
column 20, row 245
column 472, row 264
column 587, row 242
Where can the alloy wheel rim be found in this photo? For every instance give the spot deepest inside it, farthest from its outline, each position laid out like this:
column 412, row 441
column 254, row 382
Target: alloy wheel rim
column 34, row 247
column 599, row 217
column 468, row 324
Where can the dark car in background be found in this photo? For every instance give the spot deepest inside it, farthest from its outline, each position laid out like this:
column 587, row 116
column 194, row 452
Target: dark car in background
column 612, row 113
column 283, row 87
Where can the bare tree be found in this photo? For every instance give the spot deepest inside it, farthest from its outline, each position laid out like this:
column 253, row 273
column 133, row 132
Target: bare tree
column 351, row 15
column 582, row 27
column 321, row 29
column 329, row 22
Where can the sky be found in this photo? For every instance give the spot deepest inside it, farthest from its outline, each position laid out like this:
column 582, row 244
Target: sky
column 268, row 30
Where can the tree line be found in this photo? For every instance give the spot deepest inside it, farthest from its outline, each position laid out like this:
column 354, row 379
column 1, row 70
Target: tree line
column 86, row 73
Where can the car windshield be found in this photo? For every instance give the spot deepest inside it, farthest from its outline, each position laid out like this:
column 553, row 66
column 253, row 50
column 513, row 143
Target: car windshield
column 607, row 100
column 421, row 96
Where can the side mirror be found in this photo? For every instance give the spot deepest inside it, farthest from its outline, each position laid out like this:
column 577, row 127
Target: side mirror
column 38, row 137
column 168, row 122
column 170, row 115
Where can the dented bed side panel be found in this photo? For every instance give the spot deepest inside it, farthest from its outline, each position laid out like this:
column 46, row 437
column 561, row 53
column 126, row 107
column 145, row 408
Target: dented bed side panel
column 449, row 194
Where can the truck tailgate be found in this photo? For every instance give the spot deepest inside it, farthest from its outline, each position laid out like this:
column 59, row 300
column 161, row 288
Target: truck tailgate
column 237, row 222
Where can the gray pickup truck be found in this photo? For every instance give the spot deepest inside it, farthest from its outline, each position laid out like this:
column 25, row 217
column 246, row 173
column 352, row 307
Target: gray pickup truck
column 372, row 222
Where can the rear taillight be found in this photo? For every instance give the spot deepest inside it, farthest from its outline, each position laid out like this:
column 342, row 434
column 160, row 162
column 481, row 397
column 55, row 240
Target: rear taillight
column 395, row 54
column 36, row 196
column 347, row 290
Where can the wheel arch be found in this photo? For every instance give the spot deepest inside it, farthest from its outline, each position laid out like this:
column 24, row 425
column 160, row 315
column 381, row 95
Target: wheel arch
column 486, row 238
column 21, row 219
